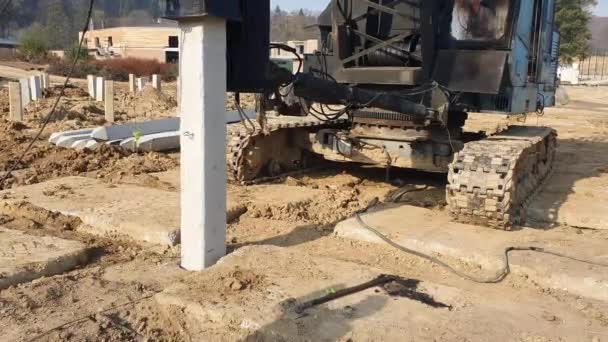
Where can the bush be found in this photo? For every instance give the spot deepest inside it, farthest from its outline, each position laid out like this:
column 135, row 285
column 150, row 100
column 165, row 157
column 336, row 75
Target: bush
column 71, row 53
column 83, row 68
column 34, row 44
column 116, row 69
column 119, row 69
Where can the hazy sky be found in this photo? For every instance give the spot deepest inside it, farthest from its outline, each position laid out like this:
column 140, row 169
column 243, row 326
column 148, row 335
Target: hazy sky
column 297, row 4
column 601, row 10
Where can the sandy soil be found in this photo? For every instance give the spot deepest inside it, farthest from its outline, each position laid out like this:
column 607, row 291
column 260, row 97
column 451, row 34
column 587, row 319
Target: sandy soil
column 76, row 111
column 111, row 299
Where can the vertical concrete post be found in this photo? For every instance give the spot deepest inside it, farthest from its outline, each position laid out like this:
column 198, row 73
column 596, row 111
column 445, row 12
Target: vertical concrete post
column 15, row 101
column 179, row 91
column 46, row 80
column 156, row 82
column 91, row 86
column 99, row 88
column 109, row 104
column 141, row 83
column 131, row 83
column 26, row 96
column 35, row 88
column 203, row 142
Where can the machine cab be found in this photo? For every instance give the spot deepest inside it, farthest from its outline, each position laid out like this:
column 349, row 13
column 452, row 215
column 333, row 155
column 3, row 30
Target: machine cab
column 502, row 54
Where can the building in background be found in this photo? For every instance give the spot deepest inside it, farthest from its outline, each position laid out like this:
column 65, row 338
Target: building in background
column 8, row 48
column 287, row 60
column 160, row 42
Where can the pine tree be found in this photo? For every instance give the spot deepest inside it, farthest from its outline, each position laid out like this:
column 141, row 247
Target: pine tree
column 58, row 25
column 126, row 6
column 155, row 9
column 8, row 12
column 572, row 19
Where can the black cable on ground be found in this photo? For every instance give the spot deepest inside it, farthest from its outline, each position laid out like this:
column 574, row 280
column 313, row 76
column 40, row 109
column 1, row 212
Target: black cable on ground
column 51, row 114
column 504, row 272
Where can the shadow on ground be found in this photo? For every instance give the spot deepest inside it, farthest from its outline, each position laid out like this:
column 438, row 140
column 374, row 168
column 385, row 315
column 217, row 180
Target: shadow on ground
column 323, row 323
column 575, row 180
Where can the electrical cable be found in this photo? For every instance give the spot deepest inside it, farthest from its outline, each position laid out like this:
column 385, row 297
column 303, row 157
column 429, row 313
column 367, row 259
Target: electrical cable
column 290, row 49
column 51, row 114
column 502, row 274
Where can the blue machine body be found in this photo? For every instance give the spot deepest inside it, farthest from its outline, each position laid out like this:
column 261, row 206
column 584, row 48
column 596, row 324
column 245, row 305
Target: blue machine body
column 514, row 74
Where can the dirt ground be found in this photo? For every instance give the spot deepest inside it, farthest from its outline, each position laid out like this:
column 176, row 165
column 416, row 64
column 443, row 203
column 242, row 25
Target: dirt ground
column 76, row 111
column 112, row 298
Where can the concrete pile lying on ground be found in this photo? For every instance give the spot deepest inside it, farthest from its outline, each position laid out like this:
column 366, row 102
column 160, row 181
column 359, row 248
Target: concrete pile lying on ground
column 149, row 136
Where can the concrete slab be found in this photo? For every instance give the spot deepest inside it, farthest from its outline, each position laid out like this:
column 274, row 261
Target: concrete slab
column 139, row 213
column 126, row 131
column 433, row 233
column 25, row 257
column 250, row 295
column 68, row 141
column 57, row 135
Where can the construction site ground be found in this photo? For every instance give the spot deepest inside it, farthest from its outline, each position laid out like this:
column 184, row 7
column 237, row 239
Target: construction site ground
column 90, row 250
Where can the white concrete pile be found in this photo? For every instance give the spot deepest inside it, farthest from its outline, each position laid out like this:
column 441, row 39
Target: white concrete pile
column 24, row 91
column 156, row 135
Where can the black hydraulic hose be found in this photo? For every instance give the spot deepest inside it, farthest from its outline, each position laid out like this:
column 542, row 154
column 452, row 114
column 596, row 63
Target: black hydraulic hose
column 503, row 273
column 330, row 92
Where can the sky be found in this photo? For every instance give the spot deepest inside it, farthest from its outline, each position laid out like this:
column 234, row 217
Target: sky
column 315, row 5
column 601, row 9
column 288, row 5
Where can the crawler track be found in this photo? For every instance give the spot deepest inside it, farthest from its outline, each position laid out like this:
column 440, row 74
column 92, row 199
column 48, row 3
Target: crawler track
column 253, row 153
column 490, row 181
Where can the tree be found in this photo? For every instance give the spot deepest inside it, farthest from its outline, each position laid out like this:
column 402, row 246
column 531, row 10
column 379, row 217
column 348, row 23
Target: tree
column 155, row 9
column 278, row 11
column 7, row 15
column 72, row 52
column 125, row 7
column 58, row 25
column 301, row 13
column 33, row 44
column 572, row 19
